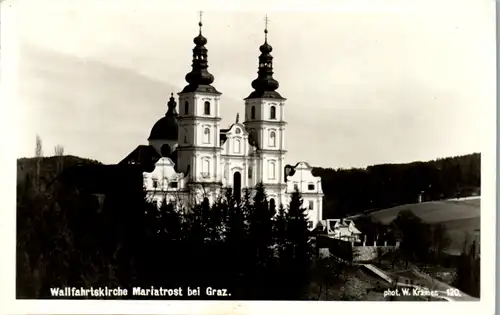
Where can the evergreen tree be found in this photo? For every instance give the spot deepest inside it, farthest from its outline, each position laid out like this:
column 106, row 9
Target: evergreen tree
column 416, row 236
column 261, row 226
column 468, row 277
column 236, row 243
column 298, row 252
column 280, row 230
column 261, row 240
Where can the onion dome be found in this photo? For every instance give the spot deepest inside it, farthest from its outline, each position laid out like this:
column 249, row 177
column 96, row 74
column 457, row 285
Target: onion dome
column 199, row 79
column 166, row 128
column 265, row 85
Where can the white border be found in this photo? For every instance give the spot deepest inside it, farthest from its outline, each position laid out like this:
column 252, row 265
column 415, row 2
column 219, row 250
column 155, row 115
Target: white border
column 8, row 178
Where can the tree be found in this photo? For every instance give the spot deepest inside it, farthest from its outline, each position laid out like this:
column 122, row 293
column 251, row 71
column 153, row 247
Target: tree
column 38, row 156
column 324, row 275
column 59, row 153
column 236, row 239
column 440, row 240
column 280, row 230
column 260, row 225
column 297, row 249
column 58, row 150
column 38, row 147
column 380, row 253
column 468, row 276
column 415, row 236
column 261, row 240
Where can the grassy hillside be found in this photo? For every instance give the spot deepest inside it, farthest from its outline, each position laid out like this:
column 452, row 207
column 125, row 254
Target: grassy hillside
column 461, row 217
column 434, row 211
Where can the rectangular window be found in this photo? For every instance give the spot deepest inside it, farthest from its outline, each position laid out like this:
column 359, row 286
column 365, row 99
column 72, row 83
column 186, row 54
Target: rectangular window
column 295, row 186
column 310, row 186
column 173, row 184
column 272, row 170
column 155, row 183
column 311, row 205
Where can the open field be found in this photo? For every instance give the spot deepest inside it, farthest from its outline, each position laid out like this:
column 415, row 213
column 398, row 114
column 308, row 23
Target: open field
column 461, row 217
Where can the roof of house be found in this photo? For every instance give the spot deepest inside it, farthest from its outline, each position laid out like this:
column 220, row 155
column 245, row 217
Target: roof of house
column 343, row 226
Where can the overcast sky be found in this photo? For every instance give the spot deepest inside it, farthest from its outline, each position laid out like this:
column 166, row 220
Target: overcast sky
column 367, row 82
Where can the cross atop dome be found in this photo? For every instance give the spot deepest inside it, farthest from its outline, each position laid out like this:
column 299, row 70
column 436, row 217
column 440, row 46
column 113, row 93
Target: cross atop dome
column 200, row 23
column 265, row 30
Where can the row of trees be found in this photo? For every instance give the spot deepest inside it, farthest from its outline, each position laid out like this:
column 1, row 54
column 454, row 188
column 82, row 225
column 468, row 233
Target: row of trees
column 349, row 191
column 426, row 244
column 70, row 238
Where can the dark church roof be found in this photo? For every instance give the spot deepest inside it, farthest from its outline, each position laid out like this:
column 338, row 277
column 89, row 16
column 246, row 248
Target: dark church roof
column 144, row 155
column 167, row 127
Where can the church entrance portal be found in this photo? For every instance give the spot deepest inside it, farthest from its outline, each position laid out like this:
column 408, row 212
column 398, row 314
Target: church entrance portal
column 237, row 185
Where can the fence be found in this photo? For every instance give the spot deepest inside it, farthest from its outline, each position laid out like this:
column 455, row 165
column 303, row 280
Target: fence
column 356, row 252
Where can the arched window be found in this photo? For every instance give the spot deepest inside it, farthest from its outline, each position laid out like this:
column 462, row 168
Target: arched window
column 186, row 108
column 252, row 112
column 272, row 170
column 206, row 135
column 250, row 171
column 272, row 114
column 206, row 167
column 207, row 108
column 237, row 146
column 272, row 139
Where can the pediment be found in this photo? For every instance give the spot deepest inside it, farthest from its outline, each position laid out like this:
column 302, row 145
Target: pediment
column 237, row 129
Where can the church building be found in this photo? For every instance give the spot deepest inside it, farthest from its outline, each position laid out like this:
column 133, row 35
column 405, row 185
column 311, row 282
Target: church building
column 194, row 157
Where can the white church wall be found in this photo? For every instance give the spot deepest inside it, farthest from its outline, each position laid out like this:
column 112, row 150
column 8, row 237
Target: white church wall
column 310, row 188
column 186, row 135
column 165, row 183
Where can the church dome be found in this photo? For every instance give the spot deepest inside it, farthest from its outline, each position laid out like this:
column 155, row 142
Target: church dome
column 166, row 128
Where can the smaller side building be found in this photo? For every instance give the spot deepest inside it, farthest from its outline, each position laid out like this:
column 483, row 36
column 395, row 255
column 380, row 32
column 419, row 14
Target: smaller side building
column 300, row 178
column 164, row 183
column 341, row 229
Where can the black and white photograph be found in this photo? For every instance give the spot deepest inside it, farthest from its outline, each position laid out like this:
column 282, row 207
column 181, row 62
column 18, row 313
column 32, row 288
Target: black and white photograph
column 180, row 152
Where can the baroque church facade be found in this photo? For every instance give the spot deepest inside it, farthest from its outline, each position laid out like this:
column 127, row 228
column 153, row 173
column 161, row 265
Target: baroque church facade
column 195, row 158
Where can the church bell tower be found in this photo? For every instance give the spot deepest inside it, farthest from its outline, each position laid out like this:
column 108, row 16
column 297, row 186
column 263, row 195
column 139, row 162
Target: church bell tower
column 265, row 122
column 199, row 120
